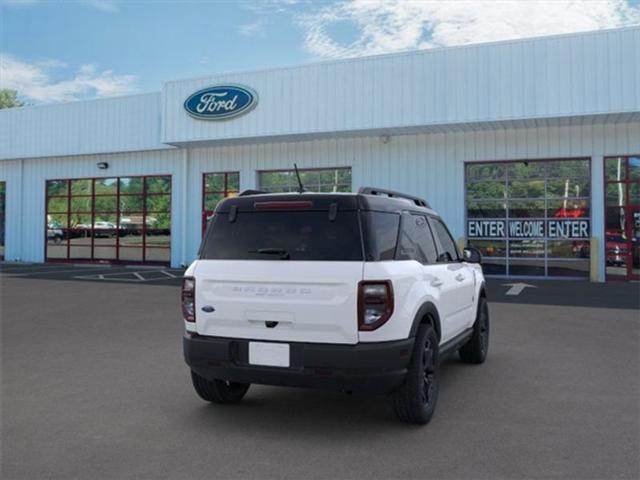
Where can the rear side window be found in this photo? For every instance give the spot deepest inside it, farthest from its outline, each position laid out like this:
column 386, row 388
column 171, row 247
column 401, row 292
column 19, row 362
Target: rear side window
column 416, row 241
column 293, row 235
column 449, row 250
column 380, row 235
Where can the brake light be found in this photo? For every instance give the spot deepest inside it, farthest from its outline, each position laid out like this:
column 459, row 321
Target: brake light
column 282, row 204
column 375, row 304
column 189, row 299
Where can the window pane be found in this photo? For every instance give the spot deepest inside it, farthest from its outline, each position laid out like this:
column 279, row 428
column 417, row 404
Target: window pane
column 57, row 187
column 416, row 241
column 616, row 194
column 492, row 266
column 57, row 220
column 304, row 235
column 106, row 204
column 211, row 200
column 568, row 188
column 106, row 220
column 158, row 184
column 80, row 220
column 558, row 268
column 80, row 252
column 131, row 203
column 131, row 185
column 214, row 182
column 615, row 219
column 526, row 267
column 568, row 248
column 158, row 203
column 81, row 204
column 56, row 244
column 526, row 209
column 571, row 208
column 81, row 187
column 615, row 168
column 130, row 237
column 233, row 182
column 634, row 193
column 485, row 171
column 634, row 168
column 157, row 255
column 104, row 237
column 159, row 221
column 526, row 169
column 130, row 254
column 490, row 209
column 106, row 186
column 380, row 235
column 485, row 190
column 490, row 248
column 325, row 180
column 158, row 238
column 57, row 204
column 526, row 248
column 450, row 250
column 104, row 252
column 568, row 168
column 526, row 189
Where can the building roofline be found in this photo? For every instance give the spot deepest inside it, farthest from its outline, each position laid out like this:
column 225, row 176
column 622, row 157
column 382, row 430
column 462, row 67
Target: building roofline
column 407, row 53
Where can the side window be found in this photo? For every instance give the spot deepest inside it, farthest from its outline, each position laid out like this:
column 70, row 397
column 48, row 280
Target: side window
column 449, row 250
column 416, row 242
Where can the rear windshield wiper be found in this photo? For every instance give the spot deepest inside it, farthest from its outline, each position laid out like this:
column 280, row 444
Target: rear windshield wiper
column 284, row 255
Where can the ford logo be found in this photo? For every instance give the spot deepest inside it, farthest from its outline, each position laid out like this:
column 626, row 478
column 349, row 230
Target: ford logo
column 221, row 102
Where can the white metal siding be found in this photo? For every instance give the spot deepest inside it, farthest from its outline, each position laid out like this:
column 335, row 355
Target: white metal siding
column 97, row 126
column 562, row 76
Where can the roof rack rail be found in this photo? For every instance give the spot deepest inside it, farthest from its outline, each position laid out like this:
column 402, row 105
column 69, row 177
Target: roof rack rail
column 244, row 193
column 391, row 194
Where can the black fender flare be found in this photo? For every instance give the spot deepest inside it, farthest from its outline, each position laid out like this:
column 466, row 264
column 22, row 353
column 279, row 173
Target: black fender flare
column 427, row 310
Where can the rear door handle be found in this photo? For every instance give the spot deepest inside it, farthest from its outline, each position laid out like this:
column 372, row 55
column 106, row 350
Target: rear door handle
column 460, row 277
column 436, row 282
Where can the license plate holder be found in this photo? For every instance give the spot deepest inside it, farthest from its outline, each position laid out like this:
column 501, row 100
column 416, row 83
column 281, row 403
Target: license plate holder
column 269, row 354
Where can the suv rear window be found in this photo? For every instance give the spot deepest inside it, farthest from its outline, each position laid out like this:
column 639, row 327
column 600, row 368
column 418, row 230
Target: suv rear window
column 292, row 235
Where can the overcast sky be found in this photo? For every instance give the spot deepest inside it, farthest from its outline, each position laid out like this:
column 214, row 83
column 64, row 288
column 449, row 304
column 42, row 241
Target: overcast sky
column 53, row 51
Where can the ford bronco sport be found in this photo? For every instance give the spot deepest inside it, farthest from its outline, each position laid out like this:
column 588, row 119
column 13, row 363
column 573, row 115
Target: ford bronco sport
column 361, row 292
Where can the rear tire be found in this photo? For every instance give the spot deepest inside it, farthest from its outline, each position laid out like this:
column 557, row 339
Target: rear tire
column 415, row 401
column 218, row 391
column 476, row 348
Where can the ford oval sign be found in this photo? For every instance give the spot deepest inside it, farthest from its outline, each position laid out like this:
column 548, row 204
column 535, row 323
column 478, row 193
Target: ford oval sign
column 221, row 102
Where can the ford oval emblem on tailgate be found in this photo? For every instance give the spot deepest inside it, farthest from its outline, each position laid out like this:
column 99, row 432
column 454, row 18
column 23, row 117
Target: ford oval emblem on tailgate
column 208, row 309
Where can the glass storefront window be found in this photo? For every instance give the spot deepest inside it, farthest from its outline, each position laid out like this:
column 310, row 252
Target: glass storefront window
column 109, row 219
column 622, row 217
column 530, row 218
column 314, row 180
column 216, row 187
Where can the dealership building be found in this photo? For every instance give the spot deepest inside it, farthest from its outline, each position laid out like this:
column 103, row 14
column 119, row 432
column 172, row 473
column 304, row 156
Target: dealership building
column 529, row 149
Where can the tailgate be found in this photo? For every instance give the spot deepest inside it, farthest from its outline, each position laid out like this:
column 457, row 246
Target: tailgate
column 293, row 301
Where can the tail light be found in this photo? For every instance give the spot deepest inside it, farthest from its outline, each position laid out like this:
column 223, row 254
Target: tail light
column 189, row 299
column 375, row 304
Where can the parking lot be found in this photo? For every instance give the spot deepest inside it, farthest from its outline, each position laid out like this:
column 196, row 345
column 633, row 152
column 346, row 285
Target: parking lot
column 94, row 386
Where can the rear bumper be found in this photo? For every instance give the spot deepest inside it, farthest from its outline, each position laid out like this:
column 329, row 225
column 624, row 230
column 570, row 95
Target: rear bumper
column 365, row 367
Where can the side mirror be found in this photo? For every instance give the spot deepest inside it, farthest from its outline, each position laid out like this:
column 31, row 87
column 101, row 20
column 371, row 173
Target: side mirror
column 472, row 255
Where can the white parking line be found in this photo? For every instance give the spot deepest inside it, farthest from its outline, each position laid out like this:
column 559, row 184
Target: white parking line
column 135, row 277
column 44, row 272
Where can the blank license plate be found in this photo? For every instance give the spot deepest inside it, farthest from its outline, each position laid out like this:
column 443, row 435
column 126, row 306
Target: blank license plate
column 269, row 354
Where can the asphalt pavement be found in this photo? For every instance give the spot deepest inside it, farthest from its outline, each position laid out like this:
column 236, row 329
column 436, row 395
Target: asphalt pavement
column 94, row 387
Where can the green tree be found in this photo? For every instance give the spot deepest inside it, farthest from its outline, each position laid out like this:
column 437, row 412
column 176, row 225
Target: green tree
column 9, row 99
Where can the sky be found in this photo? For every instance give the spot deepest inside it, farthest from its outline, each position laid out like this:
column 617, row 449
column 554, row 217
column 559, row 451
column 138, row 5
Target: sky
column 57, row 51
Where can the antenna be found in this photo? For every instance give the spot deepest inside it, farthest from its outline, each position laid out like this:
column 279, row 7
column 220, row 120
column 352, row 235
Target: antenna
column 301, row 189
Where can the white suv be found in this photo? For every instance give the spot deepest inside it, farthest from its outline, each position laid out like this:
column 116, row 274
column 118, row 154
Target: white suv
column 355, row 292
